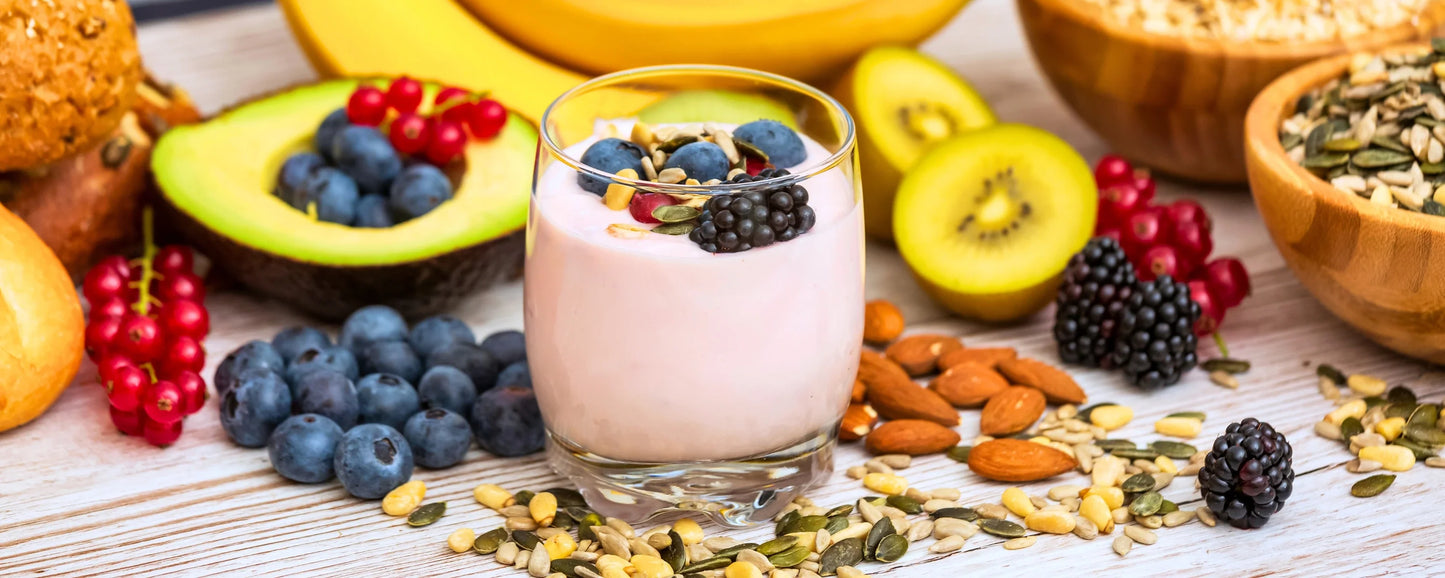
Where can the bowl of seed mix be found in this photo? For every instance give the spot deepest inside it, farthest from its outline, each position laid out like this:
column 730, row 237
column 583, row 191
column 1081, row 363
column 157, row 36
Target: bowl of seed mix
column 1346, row 161
column 1167, row 82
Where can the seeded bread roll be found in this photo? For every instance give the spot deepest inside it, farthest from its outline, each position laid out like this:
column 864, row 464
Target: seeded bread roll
column 68, row 72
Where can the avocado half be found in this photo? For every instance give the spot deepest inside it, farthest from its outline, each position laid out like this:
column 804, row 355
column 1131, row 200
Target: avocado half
column 216, row 179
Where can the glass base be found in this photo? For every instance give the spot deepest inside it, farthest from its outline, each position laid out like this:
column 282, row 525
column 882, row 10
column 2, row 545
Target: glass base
column 734, row 493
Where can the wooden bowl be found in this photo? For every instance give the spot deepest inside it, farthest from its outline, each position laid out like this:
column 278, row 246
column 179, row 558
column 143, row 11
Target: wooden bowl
column 1175, row 104
column 1378, row 268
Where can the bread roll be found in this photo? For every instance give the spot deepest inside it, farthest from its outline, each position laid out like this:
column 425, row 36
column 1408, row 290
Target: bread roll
column 42, row 330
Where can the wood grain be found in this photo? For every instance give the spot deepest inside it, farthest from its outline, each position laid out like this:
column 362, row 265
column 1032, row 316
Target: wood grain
column 1175, row 104
column 82, row 500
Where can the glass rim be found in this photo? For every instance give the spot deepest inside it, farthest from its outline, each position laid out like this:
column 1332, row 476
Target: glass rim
column 833, row 160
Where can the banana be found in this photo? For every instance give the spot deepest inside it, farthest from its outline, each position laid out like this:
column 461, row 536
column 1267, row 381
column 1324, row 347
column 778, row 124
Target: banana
column 805, row 39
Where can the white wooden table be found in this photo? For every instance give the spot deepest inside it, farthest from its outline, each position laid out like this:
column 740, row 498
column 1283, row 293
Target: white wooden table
column 78, row 498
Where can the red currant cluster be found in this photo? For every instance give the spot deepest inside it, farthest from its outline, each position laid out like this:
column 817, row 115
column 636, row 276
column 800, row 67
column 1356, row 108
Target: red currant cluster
column 1173, row 239
column 440, row 137
column 147, row 321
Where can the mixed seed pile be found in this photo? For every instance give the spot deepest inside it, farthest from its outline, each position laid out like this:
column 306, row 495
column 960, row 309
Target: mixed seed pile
column 1385, row 427
column 1256, row 21
column 1379, row 130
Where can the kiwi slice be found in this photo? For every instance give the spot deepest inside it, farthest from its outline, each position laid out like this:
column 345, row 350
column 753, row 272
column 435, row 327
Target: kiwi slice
column 987, row 220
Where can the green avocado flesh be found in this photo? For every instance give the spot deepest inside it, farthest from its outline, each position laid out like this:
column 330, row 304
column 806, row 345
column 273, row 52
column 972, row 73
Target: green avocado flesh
column 722, row 106
column 220, row 173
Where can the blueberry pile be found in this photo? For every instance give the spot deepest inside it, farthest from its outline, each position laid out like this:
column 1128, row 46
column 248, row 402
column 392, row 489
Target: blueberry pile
column 380, row 399
column 736, row 222
column 761, row 144
column 357, row 178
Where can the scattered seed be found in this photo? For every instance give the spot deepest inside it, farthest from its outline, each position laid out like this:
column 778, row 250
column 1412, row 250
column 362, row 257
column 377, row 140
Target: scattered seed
column 1225, row 364
column 1138, row 483
column 847, row 552
column 488, row 542
column 1122, row 546
column 949, row 544
column 427, row 514
column 1178, row 518
column 959, row 453
column 1001, row 528
column 1141, row 535
column 1372, row 486
column 1020, row 543
column 1328, row 431
column 1176, row 450
column 891, row 548
column 1205, row 516
column 1223, row 379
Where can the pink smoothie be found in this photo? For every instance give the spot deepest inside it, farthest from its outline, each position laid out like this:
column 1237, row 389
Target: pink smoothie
column 653, row 350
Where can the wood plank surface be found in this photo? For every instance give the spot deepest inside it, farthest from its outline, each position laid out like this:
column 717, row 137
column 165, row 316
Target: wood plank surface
column 80, row 499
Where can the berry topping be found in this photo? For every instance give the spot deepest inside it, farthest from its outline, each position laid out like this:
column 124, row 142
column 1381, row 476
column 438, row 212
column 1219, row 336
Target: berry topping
column 1248, row 474
column 643, row 204
column 783, row 146
column 700, row 160
column 610, row 155
column 736, row 222
column 367, row 106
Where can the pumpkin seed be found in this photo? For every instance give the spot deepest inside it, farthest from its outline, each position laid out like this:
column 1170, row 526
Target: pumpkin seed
column 893, row 547
column 750, row 150
column 1225, row 364
column 523, row 497
column 959, row 453
column 1290, row 141
column 675, row 229
column 1327, row 370
column 785, row 521
column 790, row 557
column 774, row 546
column 1400, row 410
column 1173, row 449
column 842, row 510
column 1315, row 140
column 525, row 539
column 567, row 498
column 1351, row 427
column 1167, row 507
column 731, row 552
column 676, row 143
column 427, row 514
column 1084, row 413
column 1376, row 158
column 1135, row 454
column 881, row 529
column 806, row 524
column 1199, row 415
column 569, row 566
column 586, row 522
column 1001, row 528
column 1327, row 160
column 837, row 524
column 1421, row 452
column 1147, row 504
column 1372, row 486
column 1138, row 483
column 1391, row 143
column 713, row 563
column 1115, row 444
column 967, row 514
column 1374, row 400
column 1401, row 394
column 1426, row 436
column 675, row 213
column 115, row 151
column 488, row 543
column 847, row 552
column 675, row 554
column 905, row 503
column 1343, row 145
column 1425, row 415
column 1430, row 207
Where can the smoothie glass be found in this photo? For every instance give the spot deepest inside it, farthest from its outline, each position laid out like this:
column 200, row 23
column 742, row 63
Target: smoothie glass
column 670, row 377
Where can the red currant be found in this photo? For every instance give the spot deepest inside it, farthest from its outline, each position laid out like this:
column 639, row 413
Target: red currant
column 109, row 365
column 193, row 391
column 130, row 423
column 449, row 93
column 139, row 338
column 367, row 106
column 163, row 402
column 458, row 112
column 1111, row 232
column 116, row 263
column 1211, row 314
column 181, row 287
column 1143, row 229
column 1112, row 169
column 103, row 283
column 1163, row 260
column 162, row 434
column 1192, row 240
column 1118, row 202
column 126, row 387
column 110, row 307
column 1144, row 183
column 1188, row 211
column 754, row 166
column 186, row 318
column 172, row 259
column 404, row 95
column 643, row 204
column 487, row 118
column 448, row 141
column 1228, row 280
column 410, row 133
column 182, row 354
column 100, row 336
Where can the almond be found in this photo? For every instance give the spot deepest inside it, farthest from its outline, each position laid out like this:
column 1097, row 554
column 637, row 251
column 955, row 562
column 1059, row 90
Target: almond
column 918, row 354
column 1011, row 460
column 985, row 356
column 860, row 392
column 968, row 384
column 857, row 422
column 882, row 321
column 1011, row 411
column 1057, row 386
column 914, row 437
column 897, row 397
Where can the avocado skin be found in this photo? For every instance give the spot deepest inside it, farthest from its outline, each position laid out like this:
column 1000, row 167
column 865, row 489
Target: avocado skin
column 416, row 288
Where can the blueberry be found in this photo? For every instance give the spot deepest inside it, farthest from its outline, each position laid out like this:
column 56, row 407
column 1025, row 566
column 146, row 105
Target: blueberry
column 609, row 155
column 438, row 437
column 447, row 387
column 372, row 213
column 330, row 193
column 419, row 189
column 326, row 133
column 394, row 357
column 518, row 373
column 479, row 365
column 371, row 323
column 434, row 333
column 328, row 393
column 701, row 160
column 254, row 407
column 253, row 355
column 334, row 358
column 294, row 173
column 386, row 399
column 783, row 146
column 507, row 347
column 364, row 154
column 303, row 448
column 507, row 421
column 372, row 459
column 293, row 341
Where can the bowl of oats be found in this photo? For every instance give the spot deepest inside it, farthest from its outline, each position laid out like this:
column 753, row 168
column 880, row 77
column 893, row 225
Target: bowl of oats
column 1346, row 161
column 1167, row 82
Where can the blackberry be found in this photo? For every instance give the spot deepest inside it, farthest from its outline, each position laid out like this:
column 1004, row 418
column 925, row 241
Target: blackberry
column 1248, row 474
column 736, row 222
column 1097, row 283
column 1154, row 341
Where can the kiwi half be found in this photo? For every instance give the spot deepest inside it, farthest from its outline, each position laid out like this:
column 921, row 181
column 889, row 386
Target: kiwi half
column 987, row 220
